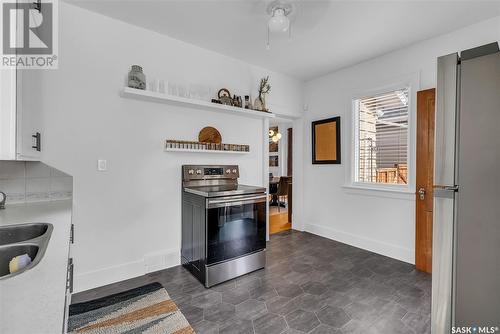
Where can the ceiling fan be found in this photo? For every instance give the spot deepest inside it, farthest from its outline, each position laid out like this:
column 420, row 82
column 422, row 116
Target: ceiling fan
column 279, row 12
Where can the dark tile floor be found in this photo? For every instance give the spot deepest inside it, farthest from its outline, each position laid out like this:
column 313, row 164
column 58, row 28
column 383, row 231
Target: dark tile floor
column 310, row 285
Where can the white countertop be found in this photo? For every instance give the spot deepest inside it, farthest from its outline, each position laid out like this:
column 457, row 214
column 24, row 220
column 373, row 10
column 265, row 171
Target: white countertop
column 33, row 302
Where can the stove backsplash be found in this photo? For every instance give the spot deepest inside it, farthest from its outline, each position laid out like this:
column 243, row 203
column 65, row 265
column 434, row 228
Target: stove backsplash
column 31, row 181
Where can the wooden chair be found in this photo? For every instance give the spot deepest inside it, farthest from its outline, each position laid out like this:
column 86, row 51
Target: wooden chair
column 283, row 187
column 273, row 189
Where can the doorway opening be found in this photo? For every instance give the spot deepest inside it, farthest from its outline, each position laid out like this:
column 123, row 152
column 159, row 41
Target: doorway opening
column 280, row 175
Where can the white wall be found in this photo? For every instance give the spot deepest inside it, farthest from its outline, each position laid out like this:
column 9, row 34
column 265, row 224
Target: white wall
column 128, row 219
column 378, row 221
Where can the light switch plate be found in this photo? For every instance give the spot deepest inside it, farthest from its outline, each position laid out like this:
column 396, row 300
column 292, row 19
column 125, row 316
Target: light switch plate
column 102, row 165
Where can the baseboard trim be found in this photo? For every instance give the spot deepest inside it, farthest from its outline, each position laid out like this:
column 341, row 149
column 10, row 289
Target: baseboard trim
column 150, row 263
column 393, row 251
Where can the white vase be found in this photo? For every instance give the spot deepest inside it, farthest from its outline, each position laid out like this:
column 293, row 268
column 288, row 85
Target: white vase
column 260, row 103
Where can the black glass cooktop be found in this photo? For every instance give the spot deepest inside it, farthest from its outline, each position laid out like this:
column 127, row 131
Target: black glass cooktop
column 224, row 190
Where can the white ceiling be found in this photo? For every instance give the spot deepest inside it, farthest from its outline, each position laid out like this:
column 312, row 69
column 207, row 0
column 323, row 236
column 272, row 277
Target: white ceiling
column 327, row 35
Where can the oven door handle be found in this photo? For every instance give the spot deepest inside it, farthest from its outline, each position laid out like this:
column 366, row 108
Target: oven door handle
column 235, row 200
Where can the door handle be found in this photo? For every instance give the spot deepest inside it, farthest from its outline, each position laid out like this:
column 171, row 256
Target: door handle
column 446, row 188
column 38, row 141
column 421, row 193
column 236, row 200
column 445, row 191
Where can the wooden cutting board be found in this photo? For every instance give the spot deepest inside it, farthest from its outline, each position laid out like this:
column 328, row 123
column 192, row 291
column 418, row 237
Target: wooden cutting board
column 209, row 135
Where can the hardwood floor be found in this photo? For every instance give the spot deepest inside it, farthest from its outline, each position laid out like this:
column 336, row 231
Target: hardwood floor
column 278, row 221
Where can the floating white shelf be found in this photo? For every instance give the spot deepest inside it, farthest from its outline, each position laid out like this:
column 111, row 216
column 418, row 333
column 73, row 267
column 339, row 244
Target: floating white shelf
column 192, row 150
column 186, row 102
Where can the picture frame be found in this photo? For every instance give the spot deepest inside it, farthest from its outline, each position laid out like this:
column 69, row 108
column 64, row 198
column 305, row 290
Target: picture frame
column 273, row 147
column 273, row 161
column 326, row 141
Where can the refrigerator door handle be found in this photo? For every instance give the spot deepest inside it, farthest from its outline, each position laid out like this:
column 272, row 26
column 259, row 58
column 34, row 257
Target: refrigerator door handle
column 444, row 191
column 446, row 188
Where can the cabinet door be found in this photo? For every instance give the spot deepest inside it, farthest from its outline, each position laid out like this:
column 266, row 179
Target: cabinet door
column 29, row 120
column 7, row 114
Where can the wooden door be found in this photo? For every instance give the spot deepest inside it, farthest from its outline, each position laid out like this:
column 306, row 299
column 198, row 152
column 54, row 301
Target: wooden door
column 289, row 165
column 289, row 152
column 424, row 182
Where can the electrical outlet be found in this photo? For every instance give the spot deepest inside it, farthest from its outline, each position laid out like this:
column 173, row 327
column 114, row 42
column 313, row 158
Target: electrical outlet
column 102, row 165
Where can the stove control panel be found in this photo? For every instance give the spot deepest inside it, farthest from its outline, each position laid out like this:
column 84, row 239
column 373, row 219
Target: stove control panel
column 193, row 172
column 213, row 171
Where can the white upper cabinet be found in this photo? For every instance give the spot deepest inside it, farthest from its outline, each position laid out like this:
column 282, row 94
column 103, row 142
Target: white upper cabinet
column 20, row 119
column 8, row 114
column 29, row 120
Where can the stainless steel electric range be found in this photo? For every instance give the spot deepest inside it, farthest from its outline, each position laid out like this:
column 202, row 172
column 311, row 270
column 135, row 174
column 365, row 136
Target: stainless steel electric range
column 223, row 224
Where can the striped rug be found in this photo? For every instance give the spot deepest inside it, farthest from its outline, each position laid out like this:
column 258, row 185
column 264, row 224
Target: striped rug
column 147, row 309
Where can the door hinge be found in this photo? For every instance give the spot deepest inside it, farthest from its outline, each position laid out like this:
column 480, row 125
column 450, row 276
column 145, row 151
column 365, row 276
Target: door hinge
column 72, row 234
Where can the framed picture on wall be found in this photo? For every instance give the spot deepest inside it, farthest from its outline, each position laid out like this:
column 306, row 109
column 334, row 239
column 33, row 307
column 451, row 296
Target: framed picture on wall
column 326, row 141
column 273, row 161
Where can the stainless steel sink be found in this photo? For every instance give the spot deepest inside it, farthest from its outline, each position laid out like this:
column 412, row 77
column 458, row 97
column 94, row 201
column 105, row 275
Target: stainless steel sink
column 10, row 251
column 17, row 233
column 19, row 239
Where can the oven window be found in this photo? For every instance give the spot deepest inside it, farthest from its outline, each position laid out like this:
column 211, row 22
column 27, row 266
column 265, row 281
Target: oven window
column 235, row 231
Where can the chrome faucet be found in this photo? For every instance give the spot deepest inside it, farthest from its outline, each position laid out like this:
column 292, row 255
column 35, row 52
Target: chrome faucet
column 3, row 197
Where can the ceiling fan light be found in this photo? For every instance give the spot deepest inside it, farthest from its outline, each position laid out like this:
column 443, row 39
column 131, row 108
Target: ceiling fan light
column 279, row 22
column 275, row 139
column 278, row 135
column 271, row 133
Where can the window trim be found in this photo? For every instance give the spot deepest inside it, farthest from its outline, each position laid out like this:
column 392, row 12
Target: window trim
column 412, row 83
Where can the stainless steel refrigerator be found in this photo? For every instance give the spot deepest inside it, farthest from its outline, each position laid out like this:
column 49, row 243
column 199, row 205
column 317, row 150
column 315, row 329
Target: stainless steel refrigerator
column 466, row 226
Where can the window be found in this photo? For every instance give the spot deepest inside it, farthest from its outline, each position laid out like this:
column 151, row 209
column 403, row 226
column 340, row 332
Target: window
column 381, row 138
